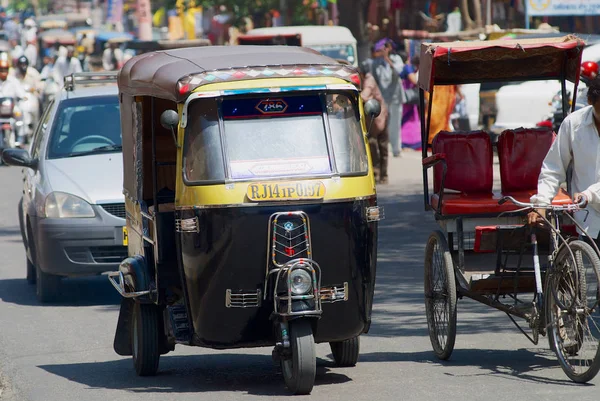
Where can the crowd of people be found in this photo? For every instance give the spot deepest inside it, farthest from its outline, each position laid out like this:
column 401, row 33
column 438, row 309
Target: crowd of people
column 32, row 70
column 390, row 76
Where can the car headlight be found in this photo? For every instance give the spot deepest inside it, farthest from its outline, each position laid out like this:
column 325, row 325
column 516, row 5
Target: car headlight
column 62, row 205
column 301, row 281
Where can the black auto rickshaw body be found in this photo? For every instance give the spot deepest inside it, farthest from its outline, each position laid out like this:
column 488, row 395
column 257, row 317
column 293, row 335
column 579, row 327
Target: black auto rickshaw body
column 251, row 206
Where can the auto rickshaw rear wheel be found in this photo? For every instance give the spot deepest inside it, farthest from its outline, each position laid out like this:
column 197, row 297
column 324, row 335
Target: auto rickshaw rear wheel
column 299, row 368
column 345, row 353
column 144, row 339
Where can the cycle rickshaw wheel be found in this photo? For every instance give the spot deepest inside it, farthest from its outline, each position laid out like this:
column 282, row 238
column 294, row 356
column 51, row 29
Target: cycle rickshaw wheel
column 440, row 295
column 572, row 311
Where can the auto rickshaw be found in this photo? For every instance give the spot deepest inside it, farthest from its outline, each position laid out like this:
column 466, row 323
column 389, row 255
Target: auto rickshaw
column 251, row 205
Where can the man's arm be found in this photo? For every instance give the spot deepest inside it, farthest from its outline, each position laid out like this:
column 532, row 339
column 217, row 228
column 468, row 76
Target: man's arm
column 592, row 193
column 554, row 168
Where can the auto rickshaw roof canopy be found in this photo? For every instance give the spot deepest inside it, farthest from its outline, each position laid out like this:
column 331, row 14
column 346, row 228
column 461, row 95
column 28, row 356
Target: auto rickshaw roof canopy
column 456, row 63
column 172, row 74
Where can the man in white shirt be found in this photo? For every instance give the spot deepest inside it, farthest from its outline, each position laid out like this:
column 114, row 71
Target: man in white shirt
column 112, row 57
column 31, row 52
column 578, row 142
column 9, row 86
column 66, row 65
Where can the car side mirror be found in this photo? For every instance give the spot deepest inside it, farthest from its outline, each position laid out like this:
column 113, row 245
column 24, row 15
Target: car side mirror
column 372, row 108
column 169, row 119
column 19, row 158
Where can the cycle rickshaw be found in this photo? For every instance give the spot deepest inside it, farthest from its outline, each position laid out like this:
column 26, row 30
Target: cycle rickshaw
column 548, row 277
column 251, row 206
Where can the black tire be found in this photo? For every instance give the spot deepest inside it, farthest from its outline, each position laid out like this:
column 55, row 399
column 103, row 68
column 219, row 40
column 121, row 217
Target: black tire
column 300, row 369
column 440, row 287
column 31, row 273
column 47, row 286
column 144, row 339
column 345, row 353
column 572, row 311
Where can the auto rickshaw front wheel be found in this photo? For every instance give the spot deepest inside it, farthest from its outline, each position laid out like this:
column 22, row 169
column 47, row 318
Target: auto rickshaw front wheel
column 299, row 368
column 145, row 339
column 345, row 353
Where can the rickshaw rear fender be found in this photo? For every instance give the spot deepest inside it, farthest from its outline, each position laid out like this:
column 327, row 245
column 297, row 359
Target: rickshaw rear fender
column 136, row 273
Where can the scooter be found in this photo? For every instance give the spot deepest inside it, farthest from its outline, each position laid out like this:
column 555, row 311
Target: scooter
column 555, row 117
column 11, row 123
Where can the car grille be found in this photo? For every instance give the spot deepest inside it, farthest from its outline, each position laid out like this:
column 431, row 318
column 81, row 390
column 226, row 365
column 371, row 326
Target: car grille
column 97, row 254
column 116, row 209
column 108, row 254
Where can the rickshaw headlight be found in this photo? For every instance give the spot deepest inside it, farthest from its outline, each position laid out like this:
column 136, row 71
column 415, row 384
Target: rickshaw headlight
column 62, row 205
column 301, row 281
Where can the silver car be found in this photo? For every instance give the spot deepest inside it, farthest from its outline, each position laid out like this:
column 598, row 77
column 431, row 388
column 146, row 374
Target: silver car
column 72, row 212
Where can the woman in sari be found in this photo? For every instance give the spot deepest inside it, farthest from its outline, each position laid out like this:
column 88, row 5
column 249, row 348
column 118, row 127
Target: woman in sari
column 444, row 100
column 411, row 124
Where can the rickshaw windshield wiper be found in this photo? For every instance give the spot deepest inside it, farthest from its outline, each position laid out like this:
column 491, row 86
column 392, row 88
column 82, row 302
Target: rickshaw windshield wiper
column 100, row 149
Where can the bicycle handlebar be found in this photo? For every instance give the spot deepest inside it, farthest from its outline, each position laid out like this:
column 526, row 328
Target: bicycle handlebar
column 569, row 207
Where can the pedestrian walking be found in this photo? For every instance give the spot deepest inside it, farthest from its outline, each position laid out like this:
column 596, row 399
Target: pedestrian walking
column 378, row 128
column 411, row 123
column 385, row 67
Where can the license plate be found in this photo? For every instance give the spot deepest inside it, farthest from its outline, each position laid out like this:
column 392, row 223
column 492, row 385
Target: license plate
column 125, row 237
column 282, row 191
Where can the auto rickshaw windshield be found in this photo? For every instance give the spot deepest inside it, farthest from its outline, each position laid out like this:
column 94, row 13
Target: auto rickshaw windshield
column 273, row 137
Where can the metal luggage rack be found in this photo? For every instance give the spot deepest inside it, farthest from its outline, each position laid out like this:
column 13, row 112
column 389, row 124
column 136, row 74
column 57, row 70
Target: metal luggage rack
column 88, row 78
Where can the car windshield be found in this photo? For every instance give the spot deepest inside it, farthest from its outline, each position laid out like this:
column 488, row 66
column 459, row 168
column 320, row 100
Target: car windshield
column 85, row 126
column 340, row 52
column 273, row 137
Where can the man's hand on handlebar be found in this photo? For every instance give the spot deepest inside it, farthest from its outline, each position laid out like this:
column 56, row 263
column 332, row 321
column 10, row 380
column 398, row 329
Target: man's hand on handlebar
column 580, row 199
column 534, row 218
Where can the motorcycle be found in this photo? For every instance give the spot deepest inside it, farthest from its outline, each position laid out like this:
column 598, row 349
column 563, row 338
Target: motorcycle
column 555, row 117
column 11, row 122
column 30, row 107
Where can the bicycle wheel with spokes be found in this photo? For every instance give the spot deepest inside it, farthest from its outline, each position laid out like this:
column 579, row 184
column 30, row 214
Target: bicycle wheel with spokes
column 573, row 318
column 440, row 295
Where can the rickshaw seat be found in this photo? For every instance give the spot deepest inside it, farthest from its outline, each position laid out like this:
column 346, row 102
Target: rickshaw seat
column 455, row 204
column 468, row 158
column 521, row 153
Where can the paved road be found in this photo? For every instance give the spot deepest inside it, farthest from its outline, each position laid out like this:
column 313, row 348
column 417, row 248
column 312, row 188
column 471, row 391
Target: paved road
column 64, row 351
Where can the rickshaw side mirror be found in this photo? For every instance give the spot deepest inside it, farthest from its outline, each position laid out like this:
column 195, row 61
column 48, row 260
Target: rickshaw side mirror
column 169, row 119
column 372, row 108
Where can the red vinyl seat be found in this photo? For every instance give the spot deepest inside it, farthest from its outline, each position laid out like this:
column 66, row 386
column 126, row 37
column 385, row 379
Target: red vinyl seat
column 472, row 204
column 521, row 153
column 469, row 170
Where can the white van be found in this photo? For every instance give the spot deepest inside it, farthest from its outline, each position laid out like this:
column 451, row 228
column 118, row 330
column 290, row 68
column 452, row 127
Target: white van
column 333, row 41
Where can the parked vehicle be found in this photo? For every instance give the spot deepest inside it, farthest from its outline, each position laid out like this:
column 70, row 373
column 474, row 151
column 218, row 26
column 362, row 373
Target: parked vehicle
column 336, row 42
column 547, row 277
column 72, row 211
column 251, row 206
column 527, row 103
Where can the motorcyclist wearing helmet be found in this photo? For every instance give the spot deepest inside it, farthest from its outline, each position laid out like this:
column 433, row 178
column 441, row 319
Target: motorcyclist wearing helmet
column 9, row 85
column 28, row 76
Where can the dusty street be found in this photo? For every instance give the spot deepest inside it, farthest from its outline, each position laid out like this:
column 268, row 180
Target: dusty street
column 63, row 351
